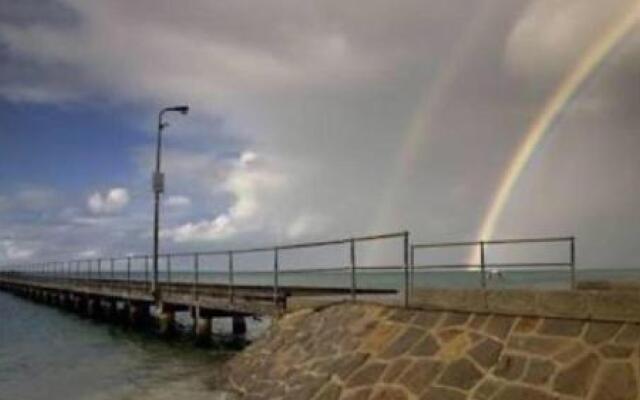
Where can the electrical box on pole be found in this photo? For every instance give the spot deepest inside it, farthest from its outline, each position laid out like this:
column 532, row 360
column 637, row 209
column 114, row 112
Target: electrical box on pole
column 157, row 182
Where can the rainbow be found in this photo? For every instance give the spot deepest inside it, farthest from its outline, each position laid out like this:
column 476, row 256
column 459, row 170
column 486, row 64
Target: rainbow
column 431, row 102
column 564, row 92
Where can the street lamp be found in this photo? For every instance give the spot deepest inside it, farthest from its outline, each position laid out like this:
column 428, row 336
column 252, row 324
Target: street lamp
column 158, row 188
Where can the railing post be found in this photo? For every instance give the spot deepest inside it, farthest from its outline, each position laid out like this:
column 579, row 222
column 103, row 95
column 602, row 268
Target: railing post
column 168, row 268
column 412, row 263
column 483, row 277
column 129, row 275
column 196, row 267
column 406, row 268
column 230, row 256
column 89, row 269
column 99, row 268
column 573, row 263
column 146, row 272
column 352, row 253
column 275, row 276
column 112, row 266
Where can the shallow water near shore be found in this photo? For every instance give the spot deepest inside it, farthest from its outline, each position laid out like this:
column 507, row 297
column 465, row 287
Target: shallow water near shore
column 46, row 353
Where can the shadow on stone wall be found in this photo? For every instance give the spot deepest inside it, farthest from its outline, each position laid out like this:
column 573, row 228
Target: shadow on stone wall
column 367, row 351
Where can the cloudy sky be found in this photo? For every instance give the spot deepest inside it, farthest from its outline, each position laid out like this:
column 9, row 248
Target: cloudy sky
column 312, row 120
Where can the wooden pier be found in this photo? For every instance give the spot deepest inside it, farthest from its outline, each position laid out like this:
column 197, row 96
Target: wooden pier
column 213, row 284
column 133, row 300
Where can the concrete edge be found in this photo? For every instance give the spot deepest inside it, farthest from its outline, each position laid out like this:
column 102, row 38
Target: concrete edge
column 601, row 305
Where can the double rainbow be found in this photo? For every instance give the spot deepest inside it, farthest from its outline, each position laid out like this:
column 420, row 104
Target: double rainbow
column 592, row 58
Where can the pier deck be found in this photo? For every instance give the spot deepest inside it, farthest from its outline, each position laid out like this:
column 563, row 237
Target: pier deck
column 211, row 298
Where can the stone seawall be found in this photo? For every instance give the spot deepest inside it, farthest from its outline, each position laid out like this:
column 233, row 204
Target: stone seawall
column 367, row 351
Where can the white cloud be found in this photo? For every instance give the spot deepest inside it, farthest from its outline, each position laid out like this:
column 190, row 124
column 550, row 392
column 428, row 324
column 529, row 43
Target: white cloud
column 111, row 202
column 247, row 157
column 550, row 35
column 218, row 228
column 250, row 185
column 89, row 253
column 30, row 199
column 14, row 251
column 306, row 224
column 177, row 201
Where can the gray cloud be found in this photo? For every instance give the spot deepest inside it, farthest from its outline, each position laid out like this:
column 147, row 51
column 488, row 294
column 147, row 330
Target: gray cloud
column 390, row 116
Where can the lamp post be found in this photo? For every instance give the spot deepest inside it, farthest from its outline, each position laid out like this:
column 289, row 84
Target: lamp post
column 158, row 188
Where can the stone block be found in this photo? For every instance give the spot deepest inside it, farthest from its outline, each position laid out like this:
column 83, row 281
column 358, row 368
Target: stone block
column 486, row 353
column 561, row 327
column 346, row 365
column 403, row 343
column 539, row 371
column 513, row 302
column 535, row 345
column 389, row 393
column 513, row 392
column 467, row 300
column 617, row 382
column 427, row 319
column 615, row 351
column 486, row 389
column 441, row 393
column 499, row 326
column 367, row 375
column 395, row 369
column 629, row 334
column 420, row 375
column 598, row 332
column 576, row 379
column 510, row 367
column 615, row 306
column 428, row 346
column 563, row 303
column 461, row 374
column 330, row 391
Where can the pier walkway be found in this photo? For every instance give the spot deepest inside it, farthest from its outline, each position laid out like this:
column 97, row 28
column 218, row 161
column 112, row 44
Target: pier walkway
column 259, row 281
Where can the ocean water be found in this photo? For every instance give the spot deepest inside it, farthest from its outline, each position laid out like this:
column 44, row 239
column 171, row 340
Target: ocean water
column 394, row 278
column 46, row 353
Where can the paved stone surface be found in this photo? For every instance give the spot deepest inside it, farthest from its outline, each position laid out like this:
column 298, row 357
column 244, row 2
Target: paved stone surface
column 371, row 352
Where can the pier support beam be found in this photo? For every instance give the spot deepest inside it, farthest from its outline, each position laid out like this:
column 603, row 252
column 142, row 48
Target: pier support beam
column 202, row 327
column 166, row 320
column 80, row 304
column 94, row 308
column 112, row 309
column 239, row 325
column 138, row 314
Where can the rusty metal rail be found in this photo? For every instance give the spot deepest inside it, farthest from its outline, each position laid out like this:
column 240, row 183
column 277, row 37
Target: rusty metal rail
column 569, row 264
column 134, row 271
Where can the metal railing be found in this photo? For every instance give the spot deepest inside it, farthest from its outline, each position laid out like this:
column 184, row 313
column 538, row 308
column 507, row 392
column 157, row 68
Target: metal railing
column 135, row 269
column 484, row 264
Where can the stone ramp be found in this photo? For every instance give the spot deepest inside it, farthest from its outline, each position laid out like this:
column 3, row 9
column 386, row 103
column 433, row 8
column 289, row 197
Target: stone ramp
column 367, row 351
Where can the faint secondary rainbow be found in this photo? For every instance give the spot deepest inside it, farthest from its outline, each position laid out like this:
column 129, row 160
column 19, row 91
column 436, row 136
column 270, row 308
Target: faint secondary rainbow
column 431, row 102
column 590, row 60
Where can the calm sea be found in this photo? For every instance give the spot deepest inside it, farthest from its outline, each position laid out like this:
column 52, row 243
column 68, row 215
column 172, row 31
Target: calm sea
column 46, row 353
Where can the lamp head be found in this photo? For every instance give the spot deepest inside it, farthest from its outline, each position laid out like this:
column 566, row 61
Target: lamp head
column 182, row 109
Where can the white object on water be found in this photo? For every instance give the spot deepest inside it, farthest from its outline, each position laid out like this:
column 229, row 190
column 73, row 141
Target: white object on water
column 495, row 273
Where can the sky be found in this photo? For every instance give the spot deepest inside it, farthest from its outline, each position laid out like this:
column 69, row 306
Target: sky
column 312, row 120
